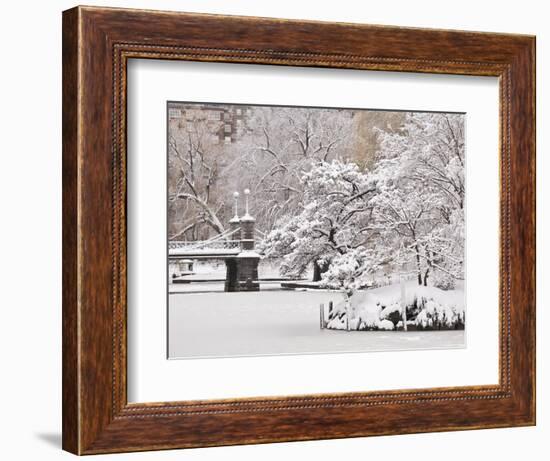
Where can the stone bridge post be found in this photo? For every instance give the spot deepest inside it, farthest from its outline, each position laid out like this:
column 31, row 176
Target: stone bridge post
column 242, row 271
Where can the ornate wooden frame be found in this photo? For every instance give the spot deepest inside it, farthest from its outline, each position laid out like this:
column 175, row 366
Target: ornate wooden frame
column 97, row 43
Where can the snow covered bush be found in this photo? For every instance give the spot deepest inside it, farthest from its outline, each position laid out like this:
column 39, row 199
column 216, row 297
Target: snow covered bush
column 444, row 281
column 428, row 308
column 349, row 271
column 436, row 316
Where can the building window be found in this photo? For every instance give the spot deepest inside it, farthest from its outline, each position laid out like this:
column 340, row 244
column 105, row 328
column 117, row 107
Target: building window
column 174, row 113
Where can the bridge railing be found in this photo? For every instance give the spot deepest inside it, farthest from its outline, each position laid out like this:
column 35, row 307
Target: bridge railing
column 219, row 241
column 207, row 244
column 222, row 241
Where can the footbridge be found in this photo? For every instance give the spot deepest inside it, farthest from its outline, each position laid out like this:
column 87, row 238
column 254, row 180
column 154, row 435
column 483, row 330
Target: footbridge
column 236, row 246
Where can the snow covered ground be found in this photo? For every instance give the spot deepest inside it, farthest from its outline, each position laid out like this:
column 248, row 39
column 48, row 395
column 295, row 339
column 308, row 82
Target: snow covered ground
column 273, row 322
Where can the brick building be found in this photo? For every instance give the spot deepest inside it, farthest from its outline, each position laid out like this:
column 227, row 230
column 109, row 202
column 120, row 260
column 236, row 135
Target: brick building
column 228, row 122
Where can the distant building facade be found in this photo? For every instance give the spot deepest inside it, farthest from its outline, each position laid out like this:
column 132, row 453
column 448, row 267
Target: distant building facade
column 228, row 122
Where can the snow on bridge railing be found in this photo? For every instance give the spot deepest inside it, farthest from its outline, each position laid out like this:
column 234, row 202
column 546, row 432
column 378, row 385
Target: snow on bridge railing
column 204, row 244
column 220, row 239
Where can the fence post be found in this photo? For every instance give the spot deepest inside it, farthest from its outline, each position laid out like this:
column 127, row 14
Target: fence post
column 322, row 316
column 347, row 315
column 403, row 303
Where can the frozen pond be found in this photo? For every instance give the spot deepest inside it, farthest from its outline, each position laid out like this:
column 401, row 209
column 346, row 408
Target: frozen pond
column 272, row 322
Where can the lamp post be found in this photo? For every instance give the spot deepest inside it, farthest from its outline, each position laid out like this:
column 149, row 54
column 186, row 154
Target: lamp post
column 236, row 199
column 235, row 221
column 246, row 194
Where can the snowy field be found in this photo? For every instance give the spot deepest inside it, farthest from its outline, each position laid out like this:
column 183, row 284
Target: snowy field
column 273, row 322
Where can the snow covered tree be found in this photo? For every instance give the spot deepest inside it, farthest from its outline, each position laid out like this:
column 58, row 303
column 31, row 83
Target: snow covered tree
column 420, row 171
column 429, row 150
column 334, row 220
column 321, row 195
column 283, row 143
column 406, row 212
column 197, row 166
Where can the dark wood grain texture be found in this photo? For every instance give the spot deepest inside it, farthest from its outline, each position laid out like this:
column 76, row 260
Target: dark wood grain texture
column 70, row 383
column 97, row 43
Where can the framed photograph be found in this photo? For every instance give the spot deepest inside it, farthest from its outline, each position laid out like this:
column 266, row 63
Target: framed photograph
column 280, row 230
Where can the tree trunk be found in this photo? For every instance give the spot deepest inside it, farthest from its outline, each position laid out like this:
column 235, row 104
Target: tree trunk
column 418, row 264
column 318, row 271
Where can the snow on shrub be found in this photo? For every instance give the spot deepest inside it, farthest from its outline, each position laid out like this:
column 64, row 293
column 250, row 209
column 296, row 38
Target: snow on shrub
column 386, row 325
column 436, row 316
column 428, row 308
